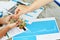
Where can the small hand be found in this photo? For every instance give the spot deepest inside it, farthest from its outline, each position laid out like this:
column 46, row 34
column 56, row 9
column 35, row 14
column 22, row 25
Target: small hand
column 13, row 24
column 6, row 19
column 15, row 16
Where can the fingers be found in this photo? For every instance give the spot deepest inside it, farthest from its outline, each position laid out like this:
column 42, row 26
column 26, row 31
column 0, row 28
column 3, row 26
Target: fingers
column 9, row 17
column 16, row 23
column 15, row 17
column 6, row 19
column 17, row 11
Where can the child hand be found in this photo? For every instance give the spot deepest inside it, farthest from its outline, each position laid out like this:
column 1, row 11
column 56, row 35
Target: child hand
column 15, row 16
column 13, row 24
column 6, row 19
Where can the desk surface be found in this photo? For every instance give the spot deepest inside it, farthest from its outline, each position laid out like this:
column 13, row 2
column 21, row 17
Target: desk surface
column 6, row 4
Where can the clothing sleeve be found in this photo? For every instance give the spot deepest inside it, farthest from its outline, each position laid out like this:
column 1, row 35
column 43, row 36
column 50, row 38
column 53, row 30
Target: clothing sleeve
column 57, row 2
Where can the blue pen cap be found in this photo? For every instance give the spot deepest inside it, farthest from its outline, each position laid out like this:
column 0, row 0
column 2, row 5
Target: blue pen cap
column 14, row 0
column 57, row 2
column 1, row 14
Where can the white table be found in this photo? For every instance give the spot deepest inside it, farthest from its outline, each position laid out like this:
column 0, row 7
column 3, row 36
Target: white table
column 6, row 5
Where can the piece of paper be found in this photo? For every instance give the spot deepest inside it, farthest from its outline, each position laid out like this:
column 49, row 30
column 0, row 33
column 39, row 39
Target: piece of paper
column 32, row 15
column 14, row 32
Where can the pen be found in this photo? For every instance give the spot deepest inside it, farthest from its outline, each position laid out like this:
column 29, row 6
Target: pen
column 20, row 3
column 7, row 35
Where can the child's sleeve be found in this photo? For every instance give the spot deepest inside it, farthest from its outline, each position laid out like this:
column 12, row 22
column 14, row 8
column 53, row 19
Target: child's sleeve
column 57, row 2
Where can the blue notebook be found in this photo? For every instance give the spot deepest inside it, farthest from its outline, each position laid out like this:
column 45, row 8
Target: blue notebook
column 40, row 27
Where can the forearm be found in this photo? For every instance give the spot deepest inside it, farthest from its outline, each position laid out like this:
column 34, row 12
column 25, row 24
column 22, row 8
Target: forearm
column 1, row 21
column 38, row 3
column 35, row 5
column 4, row 31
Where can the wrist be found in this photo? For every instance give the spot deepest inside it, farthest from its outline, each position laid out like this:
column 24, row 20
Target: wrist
column 27, row 10
column 8, row 27
column 30, row 9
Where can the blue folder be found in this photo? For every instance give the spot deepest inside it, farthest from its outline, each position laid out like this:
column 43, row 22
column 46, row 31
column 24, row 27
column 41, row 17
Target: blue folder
column 40, row 28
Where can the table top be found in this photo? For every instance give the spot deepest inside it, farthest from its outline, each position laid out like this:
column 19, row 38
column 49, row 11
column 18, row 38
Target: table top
column 6, row 4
